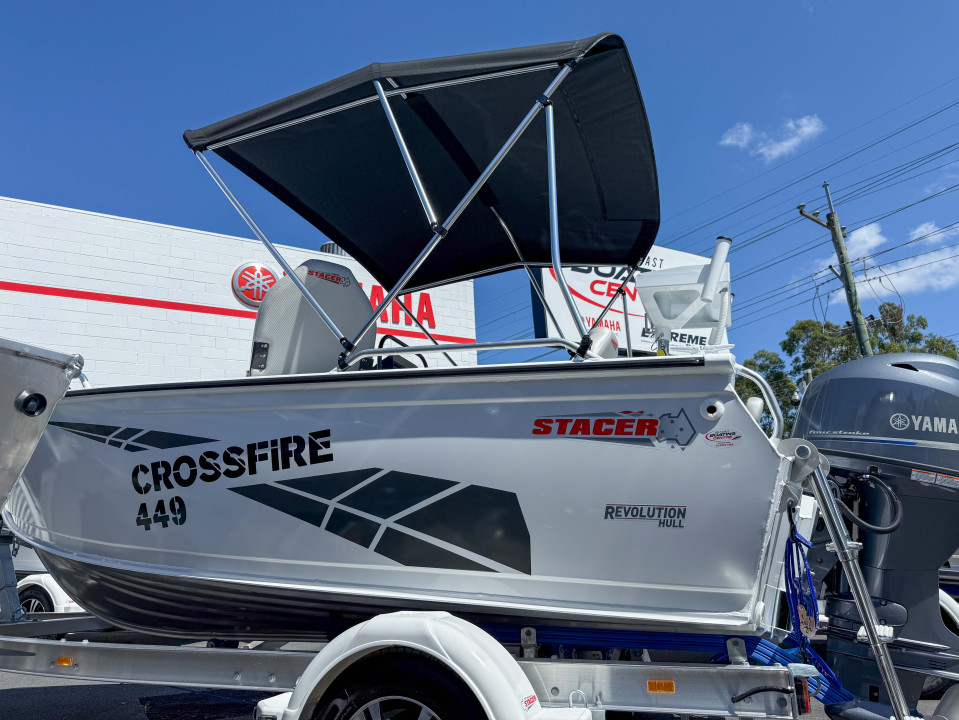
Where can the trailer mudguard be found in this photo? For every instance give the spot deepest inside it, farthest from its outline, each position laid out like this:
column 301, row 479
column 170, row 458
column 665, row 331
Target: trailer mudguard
column 489, row 671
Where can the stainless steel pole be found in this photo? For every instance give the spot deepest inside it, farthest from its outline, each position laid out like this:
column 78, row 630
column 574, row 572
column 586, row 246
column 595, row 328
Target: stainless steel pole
column 860, row 593
column 529, row 273
column 554, row 222
column 422, row 327
column 621, row 289
column 443, row 229
column 629, row 341
column 407, row 158
column 273, row 251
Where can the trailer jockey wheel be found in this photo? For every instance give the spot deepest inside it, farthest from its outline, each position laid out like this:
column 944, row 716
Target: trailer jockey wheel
column 400, row 685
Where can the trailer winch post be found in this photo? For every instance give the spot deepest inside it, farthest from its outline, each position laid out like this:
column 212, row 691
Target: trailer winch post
column 847, row 551
column 10, row 610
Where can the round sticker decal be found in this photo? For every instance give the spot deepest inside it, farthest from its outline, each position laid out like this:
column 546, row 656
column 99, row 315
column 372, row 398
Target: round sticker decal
column 251, row 281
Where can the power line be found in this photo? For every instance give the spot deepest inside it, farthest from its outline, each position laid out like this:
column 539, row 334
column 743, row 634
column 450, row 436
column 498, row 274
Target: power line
column 858, row 151
column 813, row 149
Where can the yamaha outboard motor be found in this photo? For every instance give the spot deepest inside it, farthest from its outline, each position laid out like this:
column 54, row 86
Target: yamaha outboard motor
column 888, row 426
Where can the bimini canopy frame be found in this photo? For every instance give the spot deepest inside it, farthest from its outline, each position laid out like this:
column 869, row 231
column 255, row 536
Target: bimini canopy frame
column 323, row 154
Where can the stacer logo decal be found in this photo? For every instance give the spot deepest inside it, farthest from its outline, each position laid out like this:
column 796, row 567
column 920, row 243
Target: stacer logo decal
column 627, row 426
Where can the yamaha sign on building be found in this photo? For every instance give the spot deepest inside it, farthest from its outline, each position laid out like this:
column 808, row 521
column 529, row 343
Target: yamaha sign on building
column 146, row 303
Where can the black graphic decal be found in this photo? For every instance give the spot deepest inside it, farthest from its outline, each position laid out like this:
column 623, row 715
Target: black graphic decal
column 131, row 439
column 329, row 486
column 482, row 520
column 352, row 527
column 298, row 506
column 395, row 492
column 408, row 550
column 486, row 522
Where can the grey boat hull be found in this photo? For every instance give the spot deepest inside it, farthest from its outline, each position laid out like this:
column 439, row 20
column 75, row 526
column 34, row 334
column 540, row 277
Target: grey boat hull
column 599, row 493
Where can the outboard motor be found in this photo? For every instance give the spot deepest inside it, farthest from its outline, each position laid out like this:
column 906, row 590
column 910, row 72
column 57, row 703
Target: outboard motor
column 889, row 426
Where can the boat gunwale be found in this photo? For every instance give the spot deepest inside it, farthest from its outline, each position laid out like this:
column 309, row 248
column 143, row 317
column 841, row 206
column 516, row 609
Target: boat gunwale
column 655, row 362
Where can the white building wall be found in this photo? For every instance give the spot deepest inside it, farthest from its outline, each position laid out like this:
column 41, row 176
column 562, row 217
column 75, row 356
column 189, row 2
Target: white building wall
column 59, row 268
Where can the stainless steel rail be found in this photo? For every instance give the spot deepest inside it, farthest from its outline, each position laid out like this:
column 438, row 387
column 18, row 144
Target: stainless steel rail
column 251, row 223
column 554, row 223
column 558, row 343
column 407, row 158
column 442, row 230
column 768, row 395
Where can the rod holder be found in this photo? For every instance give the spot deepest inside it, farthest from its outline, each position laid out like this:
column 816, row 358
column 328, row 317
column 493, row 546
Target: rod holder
column 715, row 269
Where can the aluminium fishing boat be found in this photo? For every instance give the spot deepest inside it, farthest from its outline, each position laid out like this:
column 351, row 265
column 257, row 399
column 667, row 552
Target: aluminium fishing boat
column 626, row 492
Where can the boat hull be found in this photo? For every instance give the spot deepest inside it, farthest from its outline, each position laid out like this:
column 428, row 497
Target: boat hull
column 600, row 493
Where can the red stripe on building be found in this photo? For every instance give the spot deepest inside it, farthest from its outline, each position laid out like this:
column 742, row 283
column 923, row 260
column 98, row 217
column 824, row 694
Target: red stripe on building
column 123, row 299
column 185, row 307
column 421, row 336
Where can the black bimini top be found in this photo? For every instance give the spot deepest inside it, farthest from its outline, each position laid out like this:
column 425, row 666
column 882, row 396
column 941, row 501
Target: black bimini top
column 330, row 154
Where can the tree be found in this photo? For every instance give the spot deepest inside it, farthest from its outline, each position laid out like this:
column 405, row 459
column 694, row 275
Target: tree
column 816, row 346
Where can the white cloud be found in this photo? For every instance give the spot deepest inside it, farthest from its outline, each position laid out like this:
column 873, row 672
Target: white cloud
column 793, row 134
column 861, row 241
column 931, row 271
column 934, row 271
column 864, row 240
column 924, row 229
column 790, row 137
column 739, row 135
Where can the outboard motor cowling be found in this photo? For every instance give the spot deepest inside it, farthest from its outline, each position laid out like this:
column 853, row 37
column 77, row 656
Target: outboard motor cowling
column 889, row 426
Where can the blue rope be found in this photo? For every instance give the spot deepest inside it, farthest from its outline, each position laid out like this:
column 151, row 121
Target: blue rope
column 801, row 594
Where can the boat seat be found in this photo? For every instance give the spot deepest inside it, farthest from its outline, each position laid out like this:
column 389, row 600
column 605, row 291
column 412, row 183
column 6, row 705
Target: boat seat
column 290, row 338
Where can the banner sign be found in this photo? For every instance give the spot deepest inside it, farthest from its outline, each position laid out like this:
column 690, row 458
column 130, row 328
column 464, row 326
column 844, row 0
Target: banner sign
column 592, row 288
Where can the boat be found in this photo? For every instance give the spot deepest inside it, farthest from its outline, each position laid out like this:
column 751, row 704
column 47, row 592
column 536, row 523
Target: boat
column 608, row 491
column 257, row 507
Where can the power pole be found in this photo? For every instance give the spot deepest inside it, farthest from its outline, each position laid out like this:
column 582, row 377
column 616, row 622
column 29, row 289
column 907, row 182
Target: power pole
column 845, row 271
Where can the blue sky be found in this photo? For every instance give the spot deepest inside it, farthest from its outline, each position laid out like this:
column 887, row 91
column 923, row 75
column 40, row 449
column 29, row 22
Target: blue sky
column 752, row 105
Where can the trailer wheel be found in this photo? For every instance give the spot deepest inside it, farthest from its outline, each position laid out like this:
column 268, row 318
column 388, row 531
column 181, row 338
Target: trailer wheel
column 35, row 600
column 400, row 685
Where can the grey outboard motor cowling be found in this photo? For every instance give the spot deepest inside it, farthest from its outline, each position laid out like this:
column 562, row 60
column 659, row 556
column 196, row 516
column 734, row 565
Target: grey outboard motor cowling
column 889, row 426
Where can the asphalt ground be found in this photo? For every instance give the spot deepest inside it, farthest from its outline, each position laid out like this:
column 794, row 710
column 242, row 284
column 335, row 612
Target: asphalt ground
column 29, row 697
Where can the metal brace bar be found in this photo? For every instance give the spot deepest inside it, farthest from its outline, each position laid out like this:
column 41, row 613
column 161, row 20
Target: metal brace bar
column 422, row 327
column 493, row 345
column 857, row 586
column 442, row 230
column 554, row 226
column 389, row 93
column 629, row 341
column 407, row 158
column 621, row 289
column 274, row 252
column 529, row 273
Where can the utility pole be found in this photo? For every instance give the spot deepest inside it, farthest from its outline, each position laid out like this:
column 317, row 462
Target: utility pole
column 845, row 270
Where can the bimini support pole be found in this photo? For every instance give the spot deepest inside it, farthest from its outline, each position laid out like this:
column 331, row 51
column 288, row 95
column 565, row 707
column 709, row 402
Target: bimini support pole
column 251, row 223
column 422, row 327
column 442, row 230
column 407, row 158
column 554, row 231
column 532, row 279
column 629, row 340
column 620, row 291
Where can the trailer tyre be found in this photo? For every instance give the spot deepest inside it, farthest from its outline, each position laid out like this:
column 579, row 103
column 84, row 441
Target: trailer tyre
column 35, row 600
column 400, row 685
